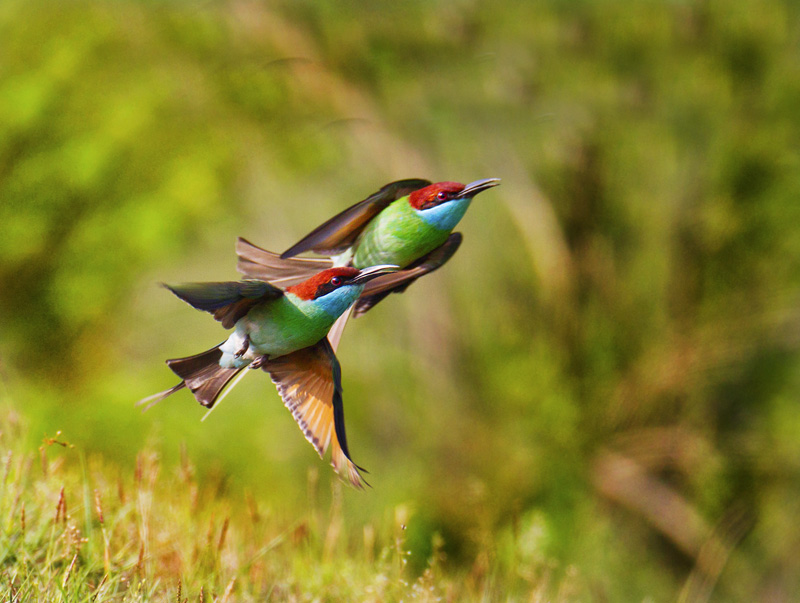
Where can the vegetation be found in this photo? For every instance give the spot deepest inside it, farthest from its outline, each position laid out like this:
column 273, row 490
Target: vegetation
column 76, row 530
column 598, row 394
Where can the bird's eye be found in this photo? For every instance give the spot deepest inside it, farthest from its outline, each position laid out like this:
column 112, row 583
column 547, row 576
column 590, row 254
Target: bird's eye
column 441, row 195
column 336, row 281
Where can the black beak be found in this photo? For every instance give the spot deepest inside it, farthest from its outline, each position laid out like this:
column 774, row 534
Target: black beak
column 367, row 274
column 473, row 188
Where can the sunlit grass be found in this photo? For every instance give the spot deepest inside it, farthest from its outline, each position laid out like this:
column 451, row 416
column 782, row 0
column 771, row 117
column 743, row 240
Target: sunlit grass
column 77, row 529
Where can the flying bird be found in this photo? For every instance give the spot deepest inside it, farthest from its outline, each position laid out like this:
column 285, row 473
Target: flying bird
column 408, row 223
column 283, row 332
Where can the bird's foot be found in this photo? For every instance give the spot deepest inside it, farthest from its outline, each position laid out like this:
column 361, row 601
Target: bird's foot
column 258, row 362
column 245, row 346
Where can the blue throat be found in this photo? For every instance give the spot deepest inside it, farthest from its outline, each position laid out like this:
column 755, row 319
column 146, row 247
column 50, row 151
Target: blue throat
column 446, row 215
column 338, row 300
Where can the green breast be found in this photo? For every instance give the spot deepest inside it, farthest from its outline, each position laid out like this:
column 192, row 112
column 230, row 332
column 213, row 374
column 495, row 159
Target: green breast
column 287, row 325
column 397, row 236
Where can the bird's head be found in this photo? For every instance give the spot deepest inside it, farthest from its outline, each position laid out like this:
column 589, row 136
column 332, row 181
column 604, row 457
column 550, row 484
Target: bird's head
column 443, row 204
column 335, row 289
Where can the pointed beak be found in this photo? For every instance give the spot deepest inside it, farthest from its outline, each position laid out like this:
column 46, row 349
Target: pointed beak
column 367, row 274
column 473, row 188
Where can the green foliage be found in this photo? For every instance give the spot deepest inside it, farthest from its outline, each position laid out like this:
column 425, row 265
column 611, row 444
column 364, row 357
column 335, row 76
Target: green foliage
column 605, row 375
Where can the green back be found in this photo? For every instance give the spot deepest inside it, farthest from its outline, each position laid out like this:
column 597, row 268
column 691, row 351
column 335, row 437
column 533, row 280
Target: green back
column 397, row 236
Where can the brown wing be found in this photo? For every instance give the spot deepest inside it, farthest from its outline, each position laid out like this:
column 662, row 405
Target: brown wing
column 309, row 382
column 258, row 263
column 341, row 231
column 397, row 282
column 227, row 301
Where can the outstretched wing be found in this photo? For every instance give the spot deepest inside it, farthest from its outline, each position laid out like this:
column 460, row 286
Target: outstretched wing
column 258, row 263
column 309, row 382
column 227, row 301
column 397, row 282
column 341, row 231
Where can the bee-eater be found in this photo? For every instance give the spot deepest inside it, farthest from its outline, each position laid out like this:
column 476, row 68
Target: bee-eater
column 283, row 333
column 408, row 223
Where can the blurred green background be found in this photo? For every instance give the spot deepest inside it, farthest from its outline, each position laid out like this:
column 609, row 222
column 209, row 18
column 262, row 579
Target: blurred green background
column 603, row 382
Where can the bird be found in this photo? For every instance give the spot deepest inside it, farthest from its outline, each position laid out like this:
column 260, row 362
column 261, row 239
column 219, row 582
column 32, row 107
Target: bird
column 408, row 223
column 282, row 332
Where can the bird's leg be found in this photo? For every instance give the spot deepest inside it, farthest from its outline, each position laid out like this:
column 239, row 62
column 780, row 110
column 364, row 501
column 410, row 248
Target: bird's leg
column 245, row 346
column 258, row 362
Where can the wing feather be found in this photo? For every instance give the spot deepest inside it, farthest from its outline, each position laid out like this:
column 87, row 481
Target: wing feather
column 341, row 231
column 309, row 382
column 335, row 334
column 397, row 282
column 226, row 301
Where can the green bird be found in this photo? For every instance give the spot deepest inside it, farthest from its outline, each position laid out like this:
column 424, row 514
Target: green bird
column 284, row 333
column 408, row 223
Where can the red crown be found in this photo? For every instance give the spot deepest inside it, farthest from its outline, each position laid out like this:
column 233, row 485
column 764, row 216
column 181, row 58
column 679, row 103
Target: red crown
column 308, row 288
column 428, row 195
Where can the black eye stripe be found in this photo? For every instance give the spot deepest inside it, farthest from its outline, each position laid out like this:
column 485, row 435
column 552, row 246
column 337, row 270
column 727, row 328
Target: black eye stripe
column 333, row 284
column 437, row 199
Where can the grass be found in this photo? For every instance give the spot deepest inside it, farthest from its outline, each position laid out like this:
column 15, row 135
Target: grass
column 79, row 529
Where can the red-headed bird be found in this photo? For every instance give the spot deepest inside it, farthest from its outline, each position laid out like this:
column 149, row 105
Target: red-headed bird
column 407, row 223
column 283, row 333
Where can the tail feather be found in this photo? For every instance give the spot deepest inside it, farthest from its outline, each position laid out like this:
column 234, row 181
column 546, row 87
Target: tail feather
column 156, row 398
column 257, row 263
column 203, row 375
